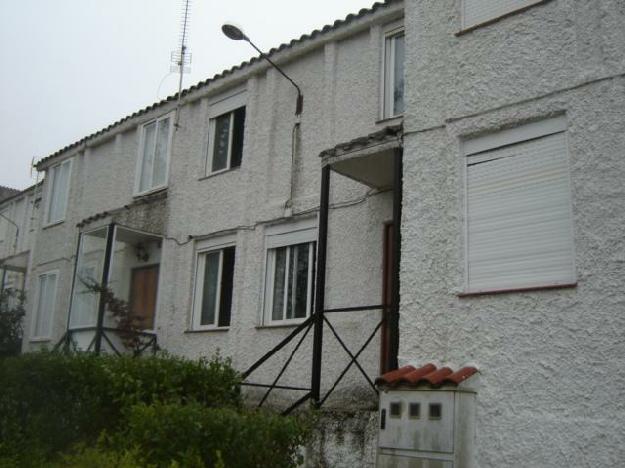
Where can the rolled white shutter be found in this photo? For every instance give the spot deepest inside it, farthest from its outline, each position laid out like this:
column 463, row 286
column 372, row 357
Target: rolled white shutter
column 480, row 11
column 519, row 226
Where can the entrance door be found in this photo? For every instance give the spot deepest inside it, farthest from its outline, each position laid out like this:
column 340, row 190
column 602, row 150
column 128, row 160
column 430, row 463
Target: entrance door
column 387, row 296
column 143, row 289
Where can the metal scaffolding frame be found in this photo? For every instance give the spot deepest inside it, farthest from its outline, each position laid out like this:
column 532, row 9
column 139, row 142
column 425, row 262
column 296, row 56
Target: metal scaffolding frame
column 390, row 312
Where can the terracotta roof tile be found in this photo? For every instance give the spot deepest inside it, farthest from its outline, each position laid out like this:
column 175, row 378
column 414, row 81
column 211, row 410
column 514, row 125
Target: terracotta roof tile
column 427, row 375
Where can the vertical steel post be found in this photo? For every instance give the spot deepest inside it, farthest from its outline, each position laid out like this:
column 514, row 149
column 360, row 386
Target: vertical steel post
column 75, row 273
column 110, row 235
column 395, row 295
column 320, row 285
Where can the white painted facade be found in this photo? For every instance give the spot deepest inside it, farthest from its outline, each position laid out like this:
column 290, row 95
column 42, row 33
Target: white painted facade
column 550, row 360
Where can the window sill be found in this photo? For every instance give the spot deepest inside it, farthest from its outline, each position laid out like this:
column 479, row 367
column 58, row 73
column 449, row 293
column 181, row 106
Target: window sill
column 385, row 120
column 36, row 339
column 52, row 224
column 280, row 325
column 515, row 290
column 162, row 188
column 207, row 330
column 218, row 173
column 472, row 28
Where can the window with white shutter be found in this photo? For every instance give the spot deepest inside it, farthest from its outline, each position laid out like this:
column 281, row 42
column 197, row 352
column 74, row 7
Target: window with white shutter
column 475, row 12
column 519, row 230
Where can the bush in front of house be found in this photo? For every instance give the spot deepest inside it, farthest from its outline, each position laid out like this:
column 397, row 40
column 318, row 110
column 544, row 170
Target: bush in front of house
column 79, row 410
column 11, row 316
column 51, row 401
column 194, row 435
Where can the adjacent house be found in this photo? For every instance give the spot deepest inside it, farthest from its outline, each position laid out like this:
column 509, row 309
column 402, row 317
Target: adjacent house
column 19, row 215
column 450, row 198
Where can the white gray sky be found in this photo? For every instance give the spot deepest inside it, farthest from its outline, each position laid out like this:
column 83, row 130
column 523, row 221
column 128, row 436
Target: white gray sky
column 71, row 67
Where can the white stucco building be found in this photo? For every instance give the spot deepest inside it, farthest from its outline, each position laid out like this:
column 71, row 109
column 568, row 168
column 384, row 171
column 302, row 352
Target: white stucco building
column 476, row 156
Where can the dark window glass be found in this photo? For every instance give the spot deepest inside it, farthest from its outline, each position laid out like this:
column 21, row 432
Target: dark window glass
column 278, row 286
column 436, row 410
column 227, row 275
column 415, row 410
column 238, row 128
column 221, row 143
column 395, row 409
column 301, row 257
column 209, row 291
column 398, row 73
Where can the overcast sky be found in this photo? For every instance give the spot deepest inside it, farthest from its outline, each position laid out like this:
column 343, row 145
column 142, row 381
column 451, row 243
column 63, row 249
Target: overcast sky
column 71, row 67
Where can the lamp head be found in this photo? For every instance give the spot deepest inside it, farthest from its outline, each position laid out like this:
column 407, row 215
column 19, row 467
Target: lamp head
column 233, row 32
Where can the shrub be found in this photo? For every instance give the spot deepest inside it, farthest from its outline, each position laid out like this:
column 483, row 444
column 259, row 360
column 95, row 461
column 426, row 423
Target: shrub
column 11, row 315
column 51, row 401
column 191, row 434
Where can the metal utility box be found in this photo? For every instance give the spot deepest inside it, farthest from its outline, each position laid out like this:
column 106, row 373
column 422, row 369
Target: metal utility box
column 426, row 427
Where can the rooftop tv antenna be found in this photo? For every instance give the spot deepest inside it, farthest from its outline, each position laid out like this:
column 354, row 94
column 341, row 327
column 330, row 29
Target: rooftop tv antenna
column 181, row 58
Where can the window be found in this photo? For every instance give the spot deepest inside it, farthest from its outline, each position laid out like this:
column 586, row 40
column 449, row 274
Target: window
column 212, row 305
column 519, row 230
column 46, row 298
column 58, row 189
column 476, row 12
column 393, row 71
column 154, row 155
column 226, row 131
column 226, row 141
column 289, row 276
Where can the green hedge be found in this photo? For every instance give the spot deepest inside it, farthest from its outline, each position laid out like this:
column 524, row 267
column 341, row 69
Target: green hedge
column 187, row 433
column 84, row 410
column 56, row 400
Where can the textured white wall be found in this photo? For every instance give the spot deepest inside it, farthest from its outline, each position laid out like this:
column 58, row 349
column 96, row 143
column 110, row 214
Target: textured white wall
column 551, row 361
column 340, row 82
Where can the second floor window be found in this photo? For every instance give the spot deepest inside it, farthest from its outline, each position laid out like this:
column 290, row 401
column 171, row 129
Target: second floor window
column 393, row 72
column 154, row 155
column 226, row 140
column 58, row 190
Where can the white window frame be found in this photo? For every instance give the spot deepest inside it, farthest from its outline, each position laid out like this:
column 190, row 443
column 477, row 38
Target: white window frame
column 304, row 231
column 225, row 104
column 37, row 304
column 50, row 183
column 496, row 140
column 139, row 166
column 203, row 248
column 517, row 5
column 388, row 70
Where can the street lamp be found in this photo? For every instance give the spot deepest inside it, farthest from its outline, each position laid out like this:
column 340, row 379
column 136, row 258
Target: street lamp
column 235, row 33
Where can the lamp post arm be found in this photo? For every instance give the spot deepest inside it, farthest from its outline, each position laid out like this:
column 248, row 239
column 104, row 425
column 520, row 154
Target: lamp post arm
column 300, row 97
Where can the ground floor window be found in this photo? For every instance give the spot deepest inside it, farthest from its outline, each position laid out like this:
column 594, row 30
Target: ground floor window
column 289, row 275
column 44, row 309
column 214, row 280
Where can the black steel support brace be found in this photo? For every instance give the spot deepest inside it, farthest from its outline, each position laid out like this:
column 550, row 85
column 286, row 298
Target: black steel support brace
column 320, row 285
column 397, row 205
column 110, row 234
